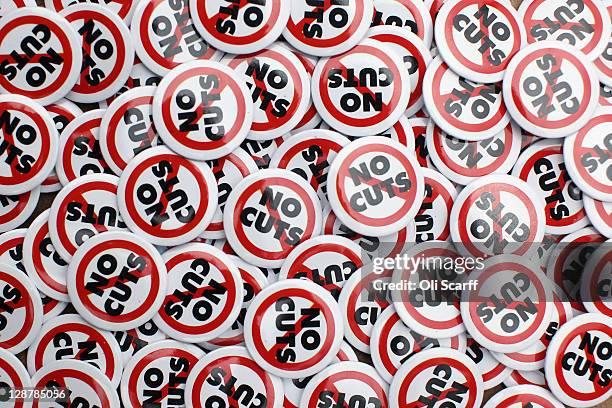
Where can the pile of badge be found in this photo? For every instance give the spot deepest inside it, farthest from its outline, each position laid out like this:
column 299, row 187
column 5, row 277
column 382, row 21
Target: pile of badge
column 224, row 171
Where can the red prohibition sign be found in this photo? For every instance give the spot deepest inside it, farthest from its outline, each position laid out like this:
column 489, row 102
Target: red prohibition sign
column 485, row 66
column 145, row 28
column 229, row 284
column 259, row 186
column 272, row 122
column 541, row 299
column 16, row 179
column 440, row 100
column 66, row 54
column 93, row 335
column 113, row 124
column 225, row 81
column 329, row 385
column 364, row 285
column 470, row 381
column 269, row 355
column 210, row 22
column 226, row 363
column 297, row 28
column 563, row 23
column 413, row 311
column 78, row 196
column 9, row 369
column 409, row 196
column 562, row 180
column 72, row 166
column 560, row 56
column 579, row 332
column 150, row 270
column 388, row 107
column 173, row 354
column 581, row 151
column 59, row 377
column 497, row 189
column 177, row 163
column 39, row 266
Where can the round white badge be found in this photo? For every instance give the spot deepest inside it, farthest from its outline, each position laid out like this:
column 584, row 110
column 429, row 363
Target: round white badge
column 584, row 25
column 79, row 151
column 157, row 374
column 430, row 310
column 165, row 36
column 542, row 166
column 477, row 38
column 279, row 87
column 13, row 376
column 80, row 381
column 462, row 108
column 579, row 361
column 497, row 214
column 202, row 110
column 69, row 337
column 600, row 215
column 423, row 376
column 204, row 294
column 268, row 214
column 375, row 186
column 251, row 386
column 117, row 280
column 511, row 306
column 550, row 89
column 16, row 209
column 22, row 310
column 293, row 328
column 83, row 208
column 362, row 92
column 29, row 144
column 326, row 29
column 41, row 56
column 587, row 155
column 108, row 53
column 42, row 262
column 167, row 198
column 327, row 260
column 240, row 27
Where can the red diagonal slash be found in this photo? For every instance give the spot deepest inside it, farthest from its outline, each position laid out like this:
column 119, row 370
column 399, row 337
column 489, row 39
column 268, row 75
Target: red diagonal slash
column 441, row 397
column 590, row 356
column 172, row 298
column 261, row 85
column 549, row 91
column 485, row 31
column 200, row 113
column 11, row 141
column 298, row 328
column 97, row 226
column 474, row 92
column 162, row 198
column 112, row 281
column 34, row 59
